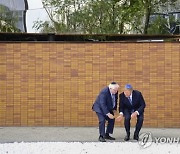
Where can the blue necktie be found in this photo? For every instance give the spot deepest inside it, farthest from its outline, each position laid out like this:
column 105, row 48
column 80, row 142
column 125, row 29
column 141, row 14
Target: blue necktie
column 130, row 100
column 131, row 104
column 113, row 100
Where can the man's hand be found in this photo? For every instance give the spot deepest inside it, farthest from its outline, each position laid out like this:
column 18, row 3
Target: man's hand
column 110, row 116
column 119, row 118
column 134, row 115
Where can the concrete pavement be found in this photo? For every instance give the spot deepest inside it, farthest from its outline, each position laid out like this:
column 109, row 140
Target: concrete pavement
column 72, row 134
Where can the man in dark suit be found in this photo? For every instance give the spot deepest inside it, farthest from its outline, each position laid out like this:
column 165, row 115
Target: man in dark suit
column 104, row 106
column 131, row 105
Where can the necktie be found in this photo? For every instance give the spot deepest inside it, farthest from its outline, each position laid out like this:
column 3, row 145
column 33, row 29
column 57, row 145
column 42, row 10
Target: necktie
column 130, row 100
column 113, row 99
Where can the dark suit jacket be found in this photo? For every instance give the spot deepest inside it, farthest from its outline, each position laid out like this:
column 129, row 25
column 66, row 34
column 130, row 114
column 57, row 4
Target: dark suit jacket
column 138, row 103
column 103, row 103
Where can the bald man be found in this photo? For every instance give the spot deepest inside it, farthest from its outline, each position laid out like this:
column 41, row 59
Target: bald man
column 104, row 106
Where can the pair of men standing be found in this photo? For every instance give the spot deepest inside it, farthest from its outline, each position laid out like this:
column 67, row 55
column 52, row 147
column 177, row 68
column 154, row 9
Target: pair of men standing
column 131, row 105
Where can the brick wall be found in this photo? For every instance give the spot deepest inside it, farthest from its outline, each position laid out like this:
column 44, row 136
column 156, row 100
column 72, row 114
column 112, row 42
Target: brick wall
column 55, row 84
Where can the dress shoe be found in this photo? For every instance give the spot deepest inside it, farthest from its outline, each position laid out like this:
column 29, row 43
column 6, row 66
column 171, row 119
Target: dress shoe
column 109, row 137
column 126, row 138
column 136, row 137
column 102, row 139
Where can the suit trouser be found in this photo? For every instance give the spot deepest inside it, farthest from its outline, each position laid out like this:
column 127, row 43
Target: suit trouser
column 139, row 123
column 102, row 120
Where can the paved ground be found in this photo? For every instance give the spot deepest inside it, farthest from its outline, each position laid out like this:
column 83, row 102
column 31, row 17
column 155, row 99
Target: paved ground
column 72, row 134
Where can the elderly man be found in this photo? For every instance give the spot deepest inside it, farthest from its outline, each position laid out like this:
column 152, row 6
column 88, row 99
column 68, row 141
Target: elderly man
column 131, row 105
column 104, row 106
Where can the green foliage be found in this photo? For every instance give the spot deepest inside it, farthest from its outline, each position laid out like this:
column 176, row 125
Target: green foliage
column 103, row 16
column 7, row 20
column 158, row 26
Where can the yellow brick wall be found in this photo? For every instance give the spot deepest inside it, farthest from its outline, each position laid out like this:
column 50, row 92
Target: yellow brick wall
column 55, row 84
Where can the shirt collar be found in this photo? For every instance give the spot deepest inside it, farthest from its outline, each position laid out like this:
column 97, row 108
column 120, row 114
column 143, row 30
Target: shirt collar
column 131, row 96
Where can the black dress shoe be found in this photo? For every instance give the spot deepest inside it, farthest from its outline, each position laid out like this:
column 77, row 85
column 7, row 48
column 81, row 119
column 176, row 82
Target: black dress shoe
column 136, row 137
column 126, row 138
column 109, row 137
column 102, row 139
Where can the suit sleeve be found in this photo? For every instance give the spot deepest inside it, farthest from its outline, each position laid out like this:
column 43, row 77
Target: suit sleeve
column 116, row 99
column 103, row 104
column 142, row 104
column 121, row 106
